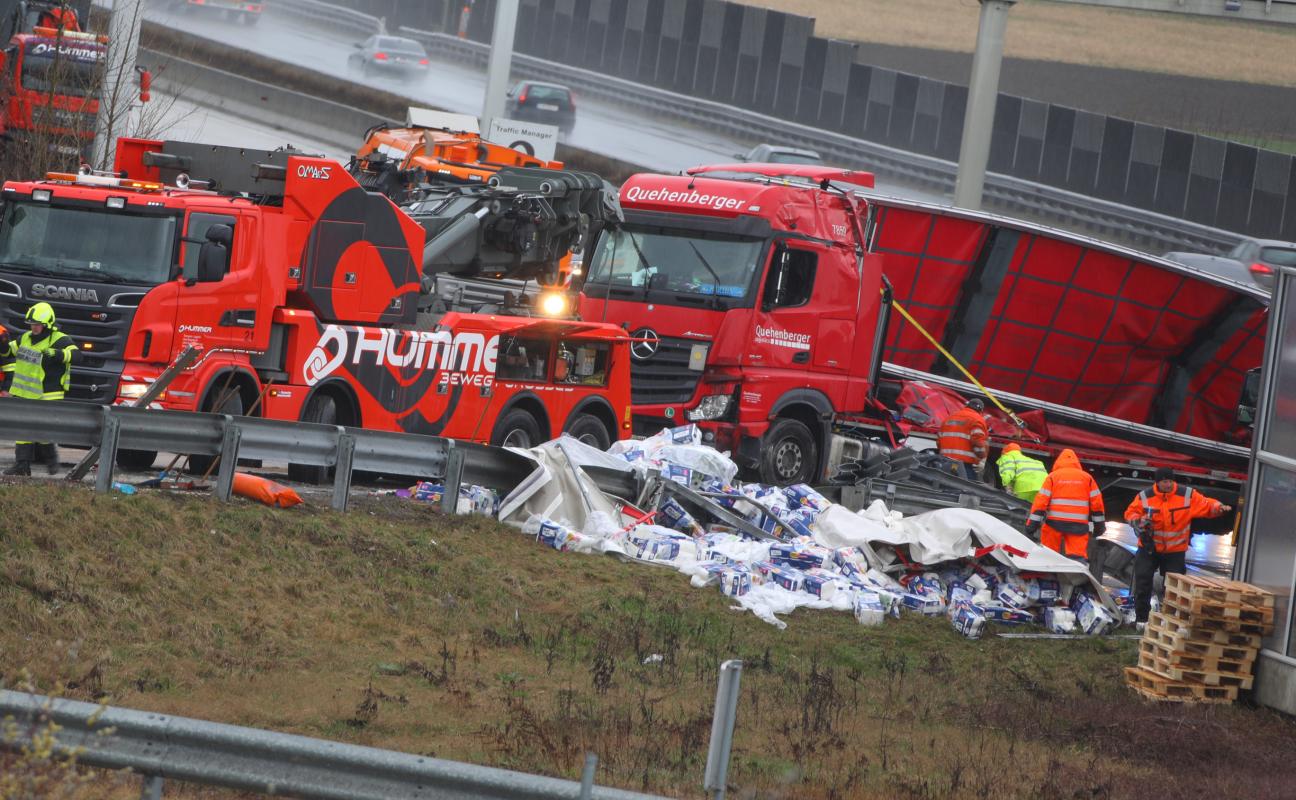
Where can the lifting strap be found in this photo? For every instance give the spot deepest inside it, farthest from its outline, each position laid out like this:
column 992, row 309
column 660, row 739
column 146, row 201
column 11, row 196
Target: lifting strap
column 918, row 325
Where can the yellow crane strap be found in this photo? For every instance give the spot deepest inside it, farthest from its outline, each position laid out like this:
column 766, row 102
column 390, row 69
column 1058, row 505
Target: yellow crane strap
column 904, row 313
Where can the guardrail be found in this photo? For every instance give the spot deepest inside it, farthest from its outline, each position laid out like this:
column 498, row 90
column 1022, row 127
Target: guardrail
column 341, row 448
column 1067, row 209
column 160, row 746
column 345, row 18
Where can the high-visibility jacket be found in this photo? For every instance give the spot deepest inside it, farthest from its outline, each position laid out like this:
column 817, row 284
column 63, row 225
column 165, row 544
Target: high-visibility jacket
column 963, row 436
column 41, row 368
column 1172, row 514
column 1069, row 500
column 1021, row 474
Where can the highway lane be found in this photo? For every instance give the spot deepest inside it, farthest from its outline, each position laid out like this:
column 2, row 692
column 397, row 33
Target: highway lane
column 182, row 120
column 600, row 128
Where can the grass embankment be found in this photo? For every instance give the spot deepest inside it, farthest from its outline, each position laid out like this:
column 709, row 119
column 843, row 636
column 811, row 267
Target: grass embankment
column 394, row 627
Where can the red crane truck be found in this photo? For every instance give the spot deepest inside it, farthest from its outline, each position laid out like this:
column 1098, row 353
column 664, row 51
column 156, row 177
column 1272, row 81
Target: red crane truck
column 759, row 299
column 302, row 289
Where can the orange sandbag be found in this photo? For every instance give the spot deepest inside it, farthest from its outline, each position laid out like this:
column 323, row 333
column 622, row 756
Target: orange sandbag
column 264, row 491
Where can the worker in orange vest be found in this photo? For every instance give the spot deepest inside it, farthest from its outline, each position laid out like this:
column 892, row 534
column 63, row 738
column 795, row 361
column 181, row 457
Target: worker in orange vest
column 963, row 438
column 1068, row 508
column 1163, row 514
column 59, row 17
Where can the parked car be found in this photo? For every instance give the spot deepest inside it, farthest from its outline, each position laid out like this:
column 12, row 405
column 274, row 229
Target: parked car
column 546, row 103
column 1251, row 260
column 391, row 54
column 778, row 154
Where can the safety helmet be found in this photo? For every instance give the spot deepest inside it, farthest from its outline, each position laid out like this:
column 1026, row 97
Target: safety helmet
column 976, row 404
column 1012, row 447
column 42, row 313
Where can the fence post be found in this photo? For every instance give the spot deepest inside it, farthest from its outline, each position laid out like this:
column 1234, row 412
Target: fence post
column 107, row 450
column 228, row 458
column 587, row 776
column 722, row 725
column 152, row 788
column 342, row 470
column 453, row 479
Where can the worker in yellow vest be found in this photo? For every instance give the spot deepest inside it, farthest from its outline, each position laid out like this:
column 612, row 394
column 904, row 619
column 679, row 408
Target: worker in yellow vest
column 39, row 364
column 1020, row 474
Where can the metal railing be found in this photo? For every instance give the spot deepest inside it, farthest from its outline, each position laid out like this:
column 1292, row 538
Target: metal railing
column 160, row 747
column 341, row 448
column 341, row 17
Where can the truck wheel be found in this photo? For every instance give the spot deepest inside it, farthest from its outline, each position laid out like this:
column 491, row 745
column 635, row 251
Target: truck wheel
column 516, row 429
column 321, row 409
column 233, row 406
column 788, row 453
column 136, row 460
column 588, row 429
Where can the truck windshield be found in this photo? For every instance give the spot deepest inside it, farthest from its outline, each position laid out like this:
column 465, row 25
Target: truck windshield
column 676, row 262
column 45, row 69
column 112, row 246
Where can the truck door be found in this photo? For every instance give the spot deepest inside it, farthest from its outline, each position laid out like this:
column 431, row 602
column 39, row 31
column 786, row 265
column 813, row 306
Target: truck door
column 219, row 307
column 786, row 319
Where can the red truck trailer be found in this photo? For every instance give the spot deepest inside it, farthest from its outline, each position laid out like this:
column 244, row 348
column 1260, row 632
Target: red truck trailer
column 302, row 290
column 759, row 298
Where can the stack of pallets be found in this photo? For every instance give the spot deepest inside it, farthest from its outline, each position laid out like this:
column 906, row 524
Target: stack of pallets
column 1201, row 647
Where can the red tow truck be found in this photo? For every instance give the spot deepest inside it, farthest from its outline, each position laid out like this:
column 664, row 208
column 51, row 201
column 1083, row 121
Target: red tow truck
column 303, row 291
column 52, row 85
column 760, row 298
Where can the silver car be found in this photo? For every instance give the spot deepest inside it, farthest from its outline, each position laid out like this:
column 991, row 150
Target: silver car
column 778, row 154
column 1253, row 260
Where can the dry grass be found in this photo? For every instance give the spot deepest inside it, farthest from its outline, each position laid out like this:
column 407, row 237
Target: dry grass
column 1077, row 34
column 390, row 626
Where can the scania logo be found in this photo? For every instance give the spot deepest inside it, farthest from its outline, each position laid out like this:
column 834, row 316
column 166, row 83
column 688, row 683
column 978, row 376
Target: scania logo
column 645, row 345
column 51, row 292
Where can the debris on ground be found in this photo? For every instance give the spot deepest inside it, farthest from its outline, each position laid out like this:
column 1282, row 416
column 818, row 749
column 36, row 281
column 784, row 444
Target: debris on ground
column 1202, row 647
column 264, row 490
column 473, row 499
column 775, row 549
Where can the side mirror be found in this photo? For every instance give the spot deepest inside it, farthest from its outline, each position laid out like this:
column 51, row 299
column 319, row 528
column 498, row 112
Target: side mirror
column 213, row 257
column 358, row 46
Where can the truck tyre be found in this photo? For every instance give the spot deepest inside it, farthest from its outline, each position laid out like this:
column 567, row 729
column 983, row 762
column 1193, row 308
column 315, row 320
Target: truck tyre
column 517, row 428
column 321, row 409
column 590, row 430
column 233, row 406
column 136, row 460
column 788, row 453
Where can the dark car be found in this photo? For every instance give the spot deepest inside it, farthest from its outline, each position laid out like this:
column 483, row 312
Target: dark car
column 1251, row 259
column 546, row 103
column 391, row 54
column 778, row 154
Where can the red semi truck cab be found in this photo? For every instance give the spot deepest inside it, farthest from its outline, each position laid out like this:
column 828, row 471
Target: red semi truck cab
column 53, row 81
column 758, row 298
column 300, row 288
column 742, row 295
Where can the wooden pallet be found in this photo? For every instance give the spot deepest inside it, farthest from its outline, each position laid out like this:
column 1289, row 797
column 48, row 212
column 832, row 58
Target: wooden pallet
column 1216, row 609
column 1161, row 689
column 1201, row 618
column 1195, row 639
column 1163, row 668
column 1220, row 590
column 1178, row 658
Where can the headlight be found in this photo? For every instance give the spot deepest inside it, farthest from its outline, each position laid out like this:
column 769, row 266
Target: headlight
column 553, row 304
column 713, row 406
column 132, row 391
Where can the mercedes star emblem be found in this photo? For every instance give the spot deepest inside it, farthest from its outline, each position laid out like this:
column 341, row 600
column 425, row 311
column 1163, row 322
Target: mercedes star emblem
column 645, row 345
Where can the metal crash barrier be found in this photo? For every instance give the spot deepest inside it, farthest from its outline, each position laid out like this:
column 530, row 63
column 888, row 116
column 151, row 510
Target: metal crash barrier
column 344, row 449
